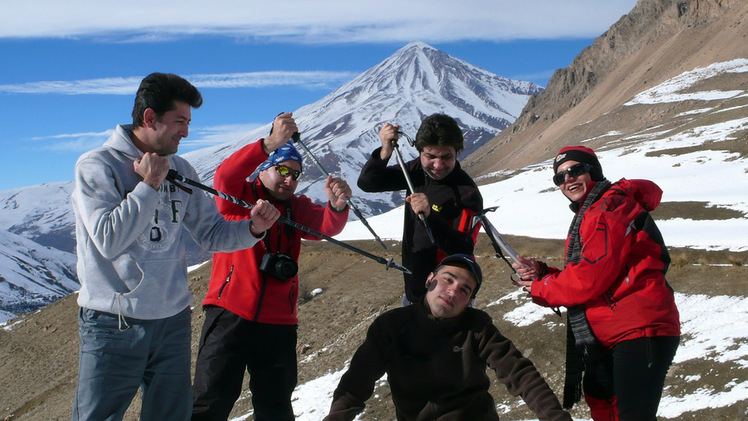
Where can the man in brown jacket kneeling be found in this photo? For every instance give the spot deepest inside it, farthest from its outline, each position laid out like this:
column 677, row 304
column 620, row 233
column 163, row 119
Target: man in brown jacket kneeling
column 435, row 354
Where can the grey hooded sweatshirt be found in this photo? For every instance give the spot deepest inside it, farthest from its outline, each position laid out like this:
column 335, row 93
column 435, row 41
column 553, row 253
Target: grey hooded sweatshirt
column 131, row 256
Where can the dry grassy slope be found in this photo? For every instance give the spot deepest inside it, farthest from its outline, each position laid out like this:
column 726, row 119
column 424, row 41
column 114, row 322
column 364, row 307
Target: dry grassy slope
column 657, row 40
column 38, row 357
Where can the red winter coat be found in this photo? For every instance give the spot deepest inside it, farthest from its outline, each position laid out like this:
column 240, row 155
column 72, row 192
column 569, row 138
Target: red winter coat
column 620, row 278
column 236, row 282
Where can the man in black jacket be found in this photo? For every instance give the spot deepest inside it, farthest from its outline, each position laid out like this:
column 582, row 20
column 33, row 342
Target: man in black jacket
column 444, row 193
column 435, row 353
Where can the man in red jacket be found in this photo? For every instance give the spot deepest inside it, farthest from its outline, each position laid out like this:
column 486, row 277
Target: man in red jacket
column 621, row 310
column 250, row 308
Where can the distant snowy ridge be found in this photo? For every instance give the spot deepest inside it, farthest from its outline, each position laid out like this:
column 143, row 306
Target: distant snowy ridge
column 39, row 212
column 37, row 241
column 32, row 276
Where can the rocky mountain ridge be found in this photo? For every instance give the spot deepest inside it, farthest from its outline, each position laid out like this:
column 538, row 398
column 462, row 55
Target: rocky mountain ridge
column 657, row 40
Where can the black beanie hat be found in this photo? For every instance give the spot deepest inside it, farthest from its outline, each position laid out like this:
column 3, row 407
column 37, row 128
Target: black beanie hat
column 581, row 154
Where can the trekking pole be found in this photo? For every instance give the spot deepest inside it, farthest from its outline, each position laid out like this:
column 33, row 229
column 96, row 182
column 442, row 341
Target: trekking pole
column 400, row 161
column 499, row 243
column 175, row 177
column 297, row 138
column 497, row 240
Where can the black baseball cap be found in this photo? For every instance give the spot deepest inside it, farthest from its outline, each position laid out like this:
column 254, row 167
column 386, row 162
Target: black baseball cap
column 468, row 262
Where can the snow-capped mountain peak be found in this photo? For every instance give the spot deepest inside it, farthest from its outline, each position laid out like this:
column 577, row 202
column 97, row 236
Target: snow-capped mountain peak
column 341, row 129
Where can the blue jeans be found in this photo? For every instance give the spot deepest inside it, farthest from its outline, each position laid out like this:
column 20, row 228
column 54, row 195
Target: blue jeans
column 114, row 363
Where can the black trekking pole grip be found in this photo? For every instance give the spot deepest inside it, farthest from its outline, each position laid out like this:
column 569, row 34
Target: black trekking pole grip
column 401, row 162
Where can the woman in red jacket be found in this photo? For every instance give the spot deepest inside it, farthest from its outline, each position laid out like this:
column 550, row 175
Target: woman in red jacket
column 624, row 326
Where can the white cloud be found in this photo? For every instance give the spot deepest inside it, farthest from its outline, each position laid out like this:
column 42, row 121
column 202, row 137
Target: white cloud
column 322, row 21
column 112, row 86
column 201, row 137
column 129, row 85
column 72, row 142
column 310, row 79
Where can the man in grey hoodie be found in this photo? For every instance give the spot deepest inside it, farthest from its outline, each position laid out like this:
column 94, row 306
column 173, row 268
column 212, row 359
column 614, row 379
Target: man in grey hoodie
column 134, row 301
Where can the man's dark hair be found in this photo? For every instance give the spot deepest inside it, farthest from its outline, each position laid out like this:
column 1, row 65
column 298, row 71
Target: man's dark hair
column 158, row 91
column 439, row 130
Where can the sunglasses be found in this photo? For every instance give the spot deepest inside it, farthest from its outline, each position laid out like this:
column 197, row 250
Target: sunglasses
column 573, row 171
column 284, row 171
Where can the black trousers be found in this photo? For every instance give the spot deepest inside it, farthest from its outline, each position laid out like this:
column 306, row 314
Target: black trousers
column 636, row 369
column 230, row 344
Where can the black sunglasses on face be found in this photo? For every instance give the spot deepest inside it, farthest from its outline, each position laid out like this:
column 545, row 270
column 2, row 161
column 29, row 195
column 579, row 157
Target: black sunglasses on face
column 574, row 171
column 284, row 171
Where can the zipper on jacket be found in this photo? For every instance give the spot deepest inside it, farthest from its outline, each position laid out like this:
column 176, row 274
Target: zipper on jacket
column 291, row 296
column 262, row 296
column 610, row 300
column 226, row 282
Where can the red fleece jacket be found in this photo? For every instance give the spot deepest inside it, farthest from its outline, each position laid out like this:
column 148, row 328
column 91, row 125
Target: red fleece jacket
column 236, row 282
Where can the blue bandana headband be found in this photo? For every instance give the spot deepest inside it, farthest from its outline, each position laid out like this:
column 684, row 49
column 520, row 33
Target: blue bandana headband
column 286, row 152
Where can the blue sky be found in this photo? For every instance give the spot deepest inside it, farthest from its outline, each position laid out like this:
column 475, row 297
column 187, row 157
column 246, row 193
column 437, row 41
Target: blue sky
column 70, row 69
